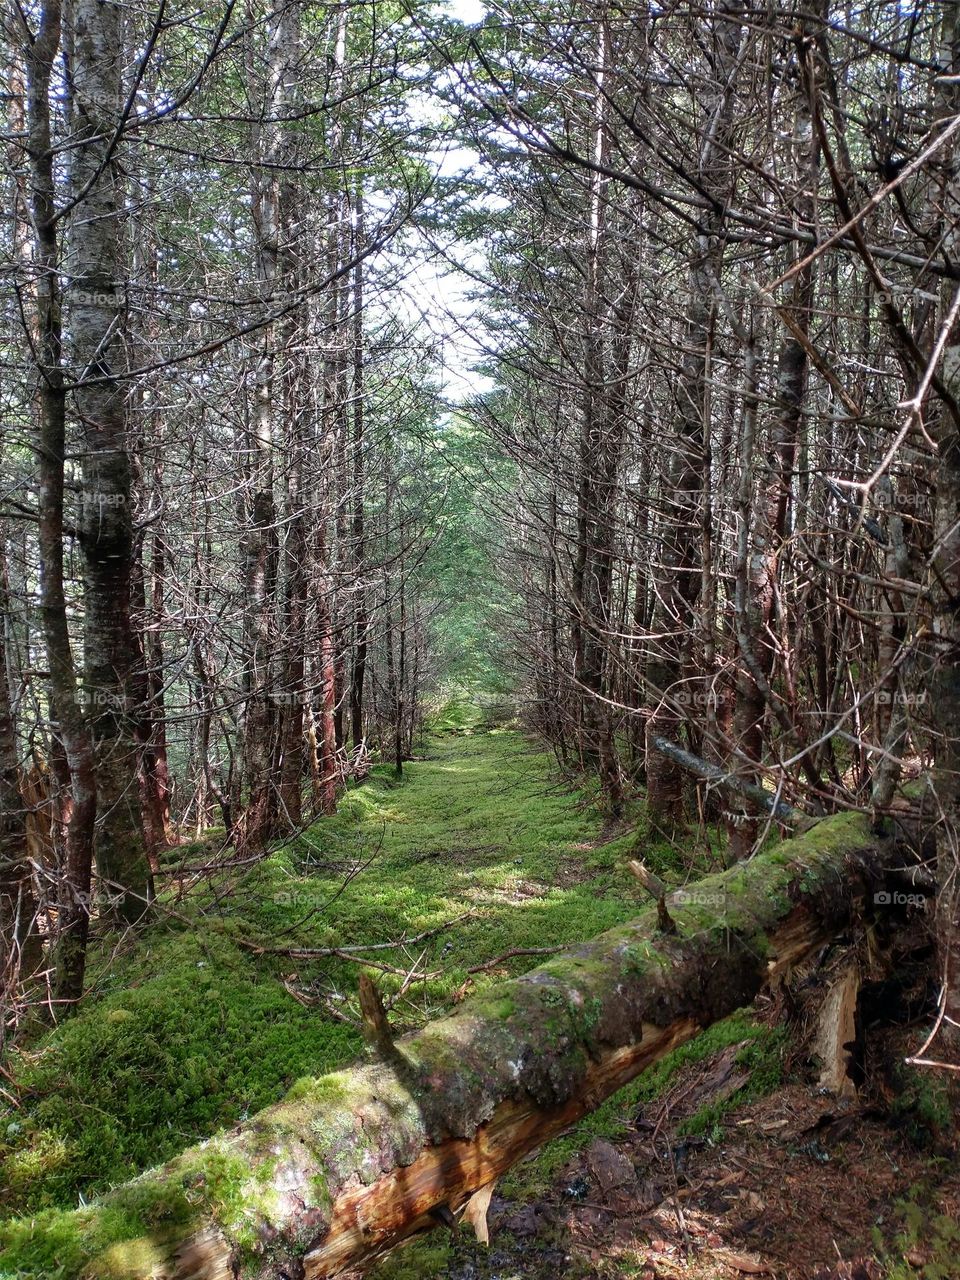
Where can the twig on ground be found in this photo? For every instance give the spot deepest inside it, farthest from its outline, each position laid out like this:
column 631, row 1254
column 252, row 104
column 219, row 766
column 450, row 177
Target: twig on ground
column 509, row 955
column 353, row 949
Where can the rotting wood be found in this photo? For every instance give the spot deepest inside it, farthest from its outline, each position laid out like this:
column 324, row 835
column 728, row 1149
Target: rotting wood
column 837, row 1030
column 376, row 1028
column 352, row 1163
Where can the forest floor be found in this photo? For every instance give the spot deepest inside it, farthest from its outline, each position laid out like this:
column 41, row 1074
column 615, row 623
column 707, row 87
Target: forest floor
column 723, row 1160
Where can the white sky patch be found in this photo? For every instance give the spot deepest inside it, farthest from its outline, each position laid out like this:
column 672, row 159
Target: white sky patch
column 469, row 12
column 433, row 293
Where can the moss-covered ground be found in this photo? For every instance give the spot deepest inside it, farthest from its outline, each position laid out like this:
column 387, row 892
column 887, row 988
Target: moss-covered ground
column 201, row 1020
column 188, row 1030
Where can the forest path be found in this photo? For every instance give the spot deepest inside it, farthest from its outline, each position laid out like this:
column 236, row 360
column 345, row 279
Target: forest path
column 725, row 1160
column 702, row 1167
column 186, row 1030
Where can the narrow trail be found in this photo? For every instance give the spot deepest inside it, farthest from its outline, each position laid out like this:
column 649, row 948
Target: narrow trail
column 713, row 1164
column 188, row 1030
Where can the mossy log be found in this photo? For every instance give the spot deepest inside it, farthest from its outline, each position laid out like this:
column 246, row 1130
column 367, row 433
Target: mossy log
column 351, row 1163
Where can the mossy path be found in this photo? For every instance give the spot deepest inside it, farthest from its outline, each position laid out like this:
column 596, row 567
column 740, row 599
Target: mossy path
column 187, row 1029
column 196, row 1023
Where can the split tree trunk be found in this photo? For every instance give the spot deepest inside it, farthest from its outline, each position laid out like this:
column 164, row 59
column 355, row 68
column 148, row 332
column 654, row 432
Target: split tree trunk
column 352, row 1163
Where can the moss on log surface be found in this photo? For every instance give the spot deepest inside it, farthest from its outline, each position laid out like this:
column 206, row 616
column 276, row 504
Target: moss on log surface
column 350, row 1163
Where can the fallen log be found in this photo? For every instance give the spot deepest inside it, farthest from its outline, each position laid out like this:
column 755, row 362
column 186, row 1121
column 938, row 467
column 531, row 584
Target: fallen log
column 712, row 773
column 351, row 1163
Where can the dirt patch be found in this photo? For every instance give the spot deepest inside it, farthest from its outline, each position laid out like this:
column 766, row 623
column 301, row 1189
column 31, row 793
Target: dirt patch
column 795, row 1186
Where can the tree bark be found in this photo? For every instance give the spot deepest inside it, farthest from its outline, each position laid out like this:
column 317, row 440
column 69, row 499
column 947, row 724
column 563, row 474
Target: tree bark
column 352, row 1163
column 72, row 750
column 97, row 306
column 262, row 715
column 602, row 431
column 758, row 565
column 18, row 905
column 945, row 682
column 679, row 579
column 361, row 620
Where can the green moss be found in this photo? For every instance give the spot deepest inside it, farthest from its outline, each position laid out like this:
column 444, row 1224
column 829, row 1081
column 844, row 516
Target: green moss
column 200, row 1039
column 332, row 1090
column 920, row 1227
column 762, row 1055
column 427, row 1256
column 494, row 1006
column 922, row 1106
column 189, row 1033
column 131, row 1227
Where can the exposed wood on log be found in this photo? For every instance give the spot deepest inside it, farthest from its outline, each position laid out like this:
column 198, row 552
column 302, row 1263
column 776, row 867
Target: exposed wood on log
column 476, row 1209
column 654, row 886
column 349, row 1165
column 837, row 1030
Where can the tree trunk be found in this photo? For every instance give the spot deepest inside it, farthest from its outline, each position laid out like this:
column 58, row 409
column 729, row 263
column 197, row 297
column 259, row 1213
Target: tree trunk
column 106, row 521
column 602, row 432
column 18, row 905
column 361, row 621
column 687, row 473
column 758, row 564
column 945, row 682
column 352, row 1163
column 72, row 751
column 327, row 744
